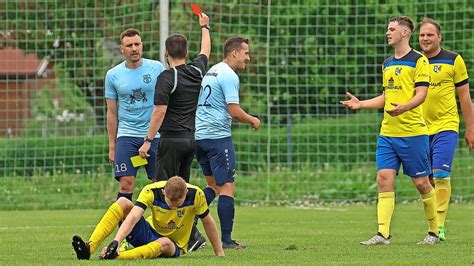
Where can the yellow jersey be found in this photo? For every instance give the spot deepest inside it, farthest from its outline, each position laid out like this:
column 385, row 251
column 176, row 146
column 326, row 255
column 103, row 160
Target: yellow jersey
column 448, row 71
column 175, row 224
column 400, row 78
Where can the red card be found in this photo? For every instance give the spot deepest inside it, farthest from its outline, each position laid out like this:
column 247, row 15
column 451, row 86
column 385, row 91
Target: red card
column 196, row 9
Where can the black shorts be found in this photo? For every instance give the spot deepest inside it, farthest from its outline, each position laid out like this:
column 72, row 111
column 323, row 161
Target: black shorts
column 174, row 157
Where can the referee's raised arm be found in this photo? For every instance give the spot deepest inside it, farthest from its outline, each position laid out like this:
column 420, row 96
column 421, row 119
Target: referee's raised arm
column 205, row 36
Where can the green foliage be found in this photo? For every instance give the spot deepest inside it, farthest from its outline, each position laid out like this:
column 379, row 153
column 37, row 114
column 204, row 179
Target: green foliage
column 28, row 156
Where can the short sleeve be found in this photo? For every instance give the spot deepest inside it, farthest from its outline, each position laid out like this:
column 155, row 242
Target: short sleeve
column 110, row 92
column 145, row 198
column 460, row 72
column 230, row 88
column 200, row 204
column 164, row 86
column 422, row 72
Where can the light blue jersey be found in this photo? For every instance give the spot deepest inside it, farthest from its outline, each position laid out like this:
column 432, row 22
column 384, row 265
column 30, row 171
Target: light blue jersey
column 219, row 87
column 134, row 90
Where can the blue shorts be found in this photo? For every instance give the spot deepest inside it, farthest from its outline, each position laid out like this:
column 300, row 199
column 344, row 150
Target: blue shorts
column 127, row 147
column 442, row 147
column 411, row 152
column 217, row 158
column 143, row 234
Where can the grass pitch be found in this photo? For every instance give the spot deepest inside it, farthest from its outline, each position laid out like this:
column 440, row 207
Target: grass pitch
column 274, row 236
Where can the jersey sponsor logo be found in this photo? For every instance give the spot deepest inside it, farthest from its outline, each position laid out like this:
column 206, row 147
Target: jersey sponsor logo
column 437, row 68
column 391, row 85
column 147, row 78
column 138, row 95
column 398, row 70
column 437, row 84
column 170, row 226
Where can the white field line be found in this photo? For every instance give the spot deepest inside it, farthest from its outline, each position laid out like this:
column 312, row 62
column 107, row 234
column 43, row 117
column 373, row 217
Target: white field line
column 43, row 227
column 318, row 208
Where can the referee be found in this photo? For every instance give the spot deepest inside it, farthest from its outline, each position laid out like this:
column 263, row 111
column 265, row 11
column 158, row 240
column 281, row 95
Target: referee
column 174, row 113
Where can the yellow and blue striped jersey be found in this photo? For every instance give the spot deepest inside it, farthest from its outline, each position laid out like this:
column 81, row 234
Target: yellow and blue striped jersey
column 447, row 71
column 400, row 78
column 175, row 224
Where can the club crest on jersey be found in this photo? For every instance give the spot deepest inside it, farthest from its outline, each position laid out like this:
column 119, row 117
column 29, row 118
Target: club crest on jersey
column 437, row 68
column 398, row 70
column 138, row 95
column 180, row 213
column 147, row 78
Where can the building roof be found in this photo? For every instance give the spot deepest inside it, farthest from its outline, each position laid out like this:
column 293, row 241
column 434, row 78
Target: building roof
column 14, row 63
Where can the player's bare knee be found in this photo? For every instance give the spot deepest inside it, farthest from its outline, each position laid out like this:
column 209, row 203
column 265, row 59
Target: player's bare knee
column 227, row 189
column 125, row 204
column 127, row 184
column 215, row 188
column 167, row 246
column 422, row 184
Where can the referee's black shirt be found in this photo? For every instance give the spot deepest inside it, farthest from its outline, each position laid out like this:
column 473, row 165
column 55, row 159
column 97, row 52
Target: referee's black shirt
column 179, row 88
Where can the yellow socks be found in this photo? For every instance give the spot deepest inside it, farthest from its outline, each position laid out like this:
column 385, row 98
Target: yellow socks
column 106, row 226
column 443, row 195
column 429, row 203
column 148, row 251
column 385, row 207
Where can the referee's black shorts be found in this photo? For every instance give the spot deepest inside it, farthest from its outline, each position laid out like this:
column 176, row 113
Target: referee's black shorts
column 175, row 155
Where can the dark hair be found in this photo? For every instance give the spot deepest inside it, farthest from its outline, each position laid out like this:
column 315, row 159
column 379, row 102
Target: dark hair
column 177, row 46
column 175, row 188
column 405, row 21
column 431, row 21
column 129, row 33
column 234, row 43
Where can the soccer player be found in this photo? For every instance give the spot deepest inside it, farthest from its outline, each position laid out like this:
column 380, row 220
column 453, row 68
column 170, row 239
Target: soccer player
column 174, row 113
column 448, row 76
column 165, row 233
column 218, row 104
column 403, row 135
column 129, row 88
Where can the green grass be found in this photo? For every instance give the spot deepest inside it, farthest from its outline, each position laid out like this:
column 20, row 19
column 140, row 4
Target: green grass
column 274, row 235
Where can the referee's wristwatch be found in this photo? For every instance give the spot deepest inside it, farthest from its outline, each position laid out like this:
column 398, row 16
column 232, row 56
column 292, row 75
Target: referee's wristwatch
column 146, row 139
column 205, row 27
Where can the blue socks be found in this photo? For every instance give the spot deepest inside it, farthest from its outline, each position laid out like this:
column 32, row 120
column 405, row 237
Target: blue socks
column 210, row 194
column 125, row 195
column 226, row 212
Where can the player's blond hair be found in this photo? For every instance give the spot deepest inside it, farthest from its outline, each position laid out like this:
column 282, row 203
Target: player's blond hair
column 175, row 188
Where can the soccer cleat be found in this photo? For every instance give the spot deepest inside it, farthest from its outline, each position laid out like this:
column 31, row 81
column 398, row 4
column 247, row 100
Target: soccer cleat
column 111, row 252
column 124, row 246
column 430, row 239
column 81, row 248
column 378, row 239
column 233, row 245
column 197, row 242
column 442, row 233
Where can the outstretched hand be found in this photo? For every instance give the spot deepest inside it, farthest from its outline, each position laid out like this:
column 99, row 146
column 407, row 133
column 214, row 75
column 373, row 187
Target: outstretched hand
column 352, row 103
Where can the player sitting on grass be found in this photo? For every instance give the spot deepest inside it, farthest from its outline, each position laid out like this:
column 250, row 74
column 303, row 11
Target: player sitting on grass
column 165, row 233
